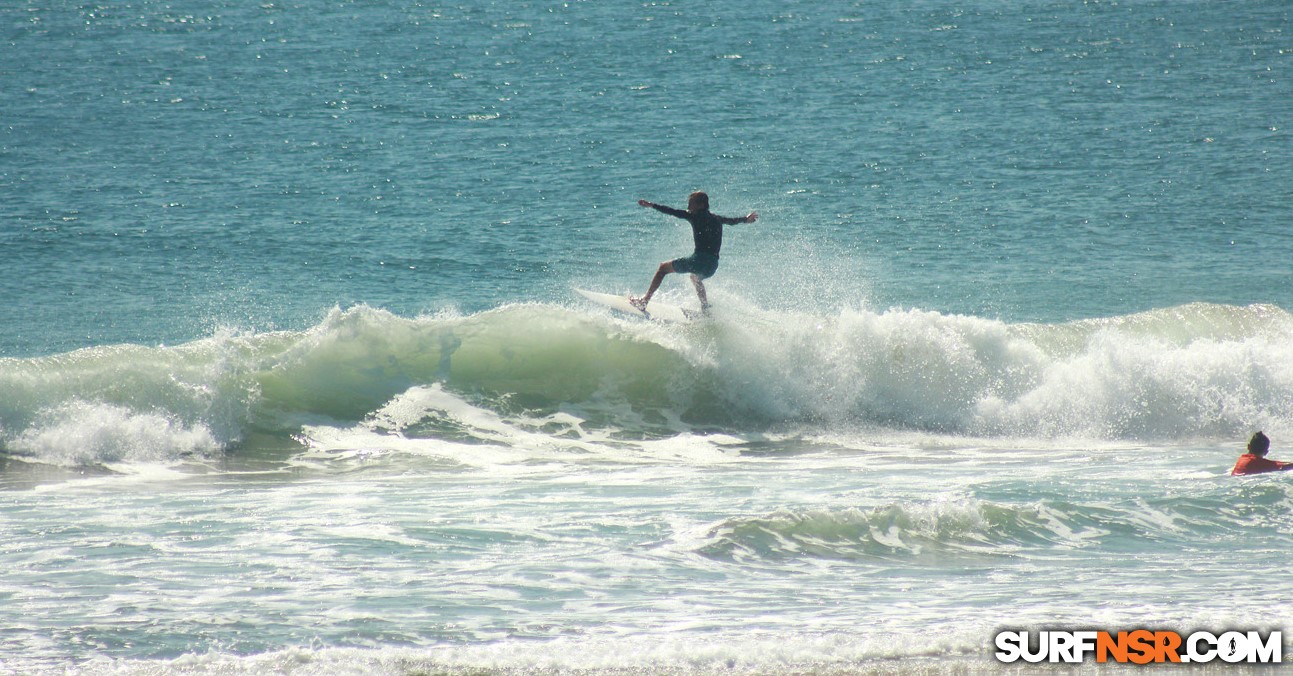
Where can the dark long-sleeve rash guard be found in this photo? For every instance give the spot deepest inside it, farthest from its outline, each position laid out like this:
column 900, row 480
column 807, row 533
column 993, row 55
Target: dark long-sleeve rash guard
column 706, row 227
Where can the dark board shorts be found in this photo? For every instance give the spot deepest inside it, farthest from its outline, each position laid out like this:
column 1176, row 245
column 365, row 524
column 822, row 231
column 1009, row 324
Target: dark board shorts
column 701, row 264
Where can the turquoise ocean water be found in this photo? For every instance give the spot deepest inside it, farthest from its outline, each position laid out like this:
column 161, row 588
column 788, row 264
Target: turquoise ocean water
column 293, row 378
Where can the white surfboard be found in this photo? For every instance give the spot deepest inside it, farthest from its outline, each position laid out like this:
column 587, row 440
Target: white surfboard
column 656, row 310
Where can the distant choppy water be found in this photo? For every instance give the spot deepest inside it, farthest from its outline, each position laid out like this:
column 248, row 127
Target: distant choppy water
column 293, row 379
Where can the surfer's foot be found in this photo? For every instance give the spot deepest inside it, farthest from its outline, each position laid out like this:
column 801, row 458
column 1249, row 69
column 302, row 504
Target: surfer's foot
column 639, row 303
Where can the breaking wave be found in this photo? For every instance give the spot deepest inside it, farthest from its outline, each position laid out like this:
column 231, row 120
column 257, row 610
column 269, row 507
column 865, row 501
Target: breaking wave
column 1195, row 371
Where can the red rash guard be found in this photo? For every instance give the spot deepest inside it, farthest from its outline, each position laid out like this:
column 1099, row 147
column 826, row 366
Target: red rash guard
column 1252, row 464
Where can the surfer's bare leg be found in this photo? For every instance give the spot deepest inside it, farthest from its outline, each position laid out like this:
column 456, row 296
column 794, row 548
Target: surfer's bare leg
column 664, row 269
column 700, row 291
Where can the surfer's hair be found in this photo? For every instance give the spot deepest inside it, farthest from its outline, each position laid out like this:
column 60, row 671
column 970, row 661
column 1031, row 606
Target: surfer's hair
column 698, row 201
column 1259, row 444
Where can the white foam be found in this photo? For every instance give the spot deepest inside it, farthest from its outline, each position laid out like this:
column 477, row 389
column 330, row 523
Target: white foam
column 683, row 651
column 83, row 433
column 1194, row 371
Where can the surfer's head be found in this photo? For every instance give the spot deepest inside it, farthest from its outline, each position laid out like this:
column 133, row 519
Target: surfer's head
column 1259, row 444
column 698, row 201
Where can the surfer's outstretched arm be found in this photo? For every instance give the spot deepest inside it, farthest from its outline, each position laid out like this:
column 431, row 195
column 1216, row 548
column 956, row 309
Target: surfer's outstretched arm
column 676, row 213
column 733, row 220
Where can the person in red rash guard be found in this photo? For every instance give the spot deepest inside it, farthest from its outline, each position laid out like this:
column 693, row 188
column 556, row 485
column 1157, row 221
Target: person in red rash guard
column 1255, row 462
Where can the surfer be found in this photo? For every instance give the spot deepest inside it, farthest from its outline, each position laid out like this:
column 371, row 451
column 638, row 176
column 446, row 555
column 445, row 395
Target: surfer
column 707, row 231
column 1255, row 461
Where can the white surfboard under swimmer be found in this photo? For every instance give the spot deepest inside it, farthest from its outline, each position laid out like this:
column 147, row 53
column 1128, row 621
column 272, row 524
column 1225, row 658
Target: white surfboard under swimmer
column 656, row 310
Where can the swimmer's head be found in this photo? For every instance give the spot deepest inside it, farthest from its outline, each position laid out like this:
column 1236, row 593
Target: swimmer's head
column 1259, row 444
